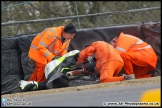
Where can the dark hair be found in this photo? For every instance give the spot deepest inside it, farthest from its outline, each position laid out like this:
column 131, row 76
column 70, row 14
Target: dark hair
column 110, row 38
column 70, row 28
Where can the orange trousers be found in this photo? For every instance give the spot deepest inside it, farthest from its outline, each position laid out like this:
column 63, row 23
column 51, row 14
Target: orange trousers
column 110, row 70
column 134, row 65
column 38, row 74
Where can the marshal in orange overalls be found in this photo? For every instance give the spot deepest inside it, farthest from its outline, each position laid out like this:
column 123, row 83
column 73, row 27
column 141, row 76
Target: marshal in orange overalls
column 108, row 60
column 138, row 56
column 44, row 47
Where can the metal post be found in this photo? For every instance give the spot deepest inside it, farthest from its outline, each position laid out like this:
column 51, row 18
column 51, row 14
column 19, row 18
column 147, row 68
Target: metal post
column 77, row 15
column 99, row 11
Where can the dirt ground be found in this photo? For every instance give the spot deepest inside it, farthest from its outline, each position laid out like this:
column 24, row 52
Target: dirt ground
column 85, row 87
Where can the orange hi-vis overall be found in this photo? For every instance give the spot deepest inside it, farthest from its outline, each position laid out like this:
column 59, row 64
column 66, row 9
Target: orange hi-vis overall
column 138, row 56
column 44, row 47
column 108, row 60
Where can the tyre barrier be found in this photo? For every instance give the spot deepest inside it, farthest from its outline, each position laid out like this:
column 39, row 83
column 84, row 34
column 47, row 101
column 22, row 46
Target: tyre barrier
column 11, row 72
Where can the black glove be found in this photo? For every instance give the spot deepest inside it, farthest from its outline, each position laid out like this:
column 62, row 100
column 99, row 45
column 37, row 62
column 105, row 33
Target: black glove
column 56, row 57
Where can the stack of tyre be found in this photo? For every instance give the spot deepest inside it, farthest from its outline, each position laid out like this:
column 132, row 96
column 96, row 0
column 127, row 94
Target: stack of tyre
column 11, row 72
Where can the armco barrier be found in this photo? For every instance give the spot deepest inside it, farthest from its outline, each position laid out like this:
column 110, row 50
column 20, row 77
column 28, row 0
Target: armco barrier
column 16, row 64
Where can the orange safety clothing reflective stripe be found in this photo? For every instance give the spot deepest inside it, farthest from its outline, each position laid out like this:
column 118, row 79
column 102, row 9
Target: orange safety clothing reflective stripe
column 47, row 44
column 129, row 43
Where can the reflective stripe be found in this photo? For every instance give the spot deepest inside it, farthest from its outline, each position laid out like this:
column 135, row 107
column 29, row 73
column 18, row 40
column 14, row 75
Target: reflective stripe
column 50, row 46
column 43, row 31
column 139, row 41
column 45, row 45
column 64, row 69
column 121, row 49
column 71, row 53
column 36, row 83
column 49, row 30
column 42, row 43
column 148, row 46
column 55, row 39
column 33, row 46
column 52, row 31
column 72, row 66
column 46, row 54
column 65, row 48
column 41, row 35
column 56, row 52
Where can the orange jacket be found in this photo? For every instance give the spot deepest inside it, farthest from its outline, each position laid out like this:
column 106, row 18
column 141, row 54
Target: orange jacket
column 47, row 44
column 102, row 51
column 126, row 43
